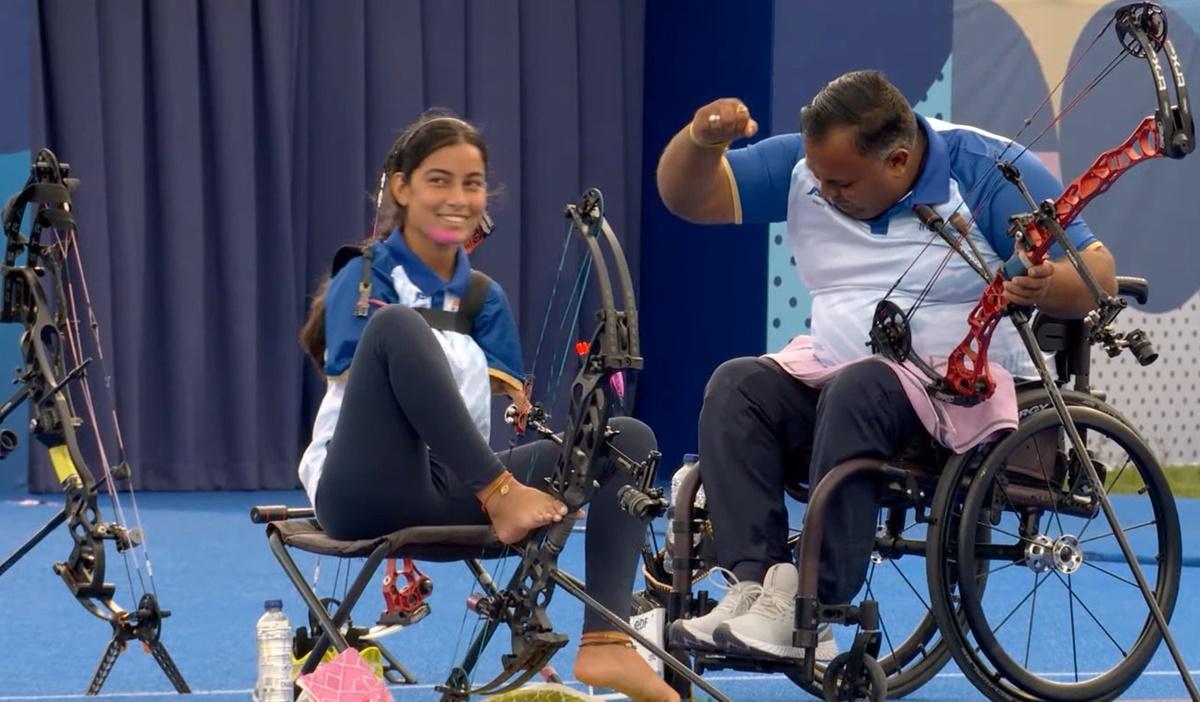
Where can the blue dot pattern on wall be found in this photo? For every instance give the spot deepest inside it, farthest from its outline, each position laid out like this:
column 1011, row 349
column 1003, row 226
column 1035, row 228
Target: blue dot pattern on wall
column 788, row 301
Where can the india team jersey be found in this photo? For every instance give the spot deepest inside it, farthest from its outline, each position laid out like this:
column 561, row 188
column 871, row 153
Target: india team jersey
column 849, row 265
column 492, row 349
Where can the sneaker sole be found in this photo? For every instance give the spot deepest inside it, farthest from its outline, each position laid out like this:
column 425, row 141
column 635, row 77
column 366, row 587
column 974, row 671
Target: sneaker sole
column 728, row 640
column 679, row 635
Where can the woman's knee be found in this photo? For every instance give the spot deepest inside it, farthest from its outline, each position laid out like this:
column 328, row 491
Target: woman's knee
column 634, row 438
column 392, row 323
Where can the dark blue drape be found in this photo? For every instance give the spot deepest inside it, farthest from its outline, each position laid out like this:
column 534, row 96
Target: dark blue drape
column 226, row 149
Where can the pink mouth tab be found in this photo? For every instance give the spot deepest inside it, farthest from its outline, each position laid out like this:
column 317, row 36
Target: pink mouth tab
column 444, row 236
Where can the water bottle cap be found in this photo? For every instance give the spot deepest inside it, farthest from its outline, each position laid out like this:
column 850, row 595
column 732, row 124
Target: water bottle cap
column 691, row 457
column 273, row 604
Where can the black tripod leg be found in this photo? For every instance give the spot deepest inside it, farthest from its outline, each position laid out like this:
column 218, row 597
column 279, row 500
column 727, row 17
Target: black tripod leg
column 394, row 664
column 115, row 646
column 159, row 651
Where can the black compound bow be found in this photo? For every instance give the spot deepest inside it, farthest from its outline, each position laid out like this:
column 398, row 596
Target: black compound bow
column 613, row 350
column 50, row 338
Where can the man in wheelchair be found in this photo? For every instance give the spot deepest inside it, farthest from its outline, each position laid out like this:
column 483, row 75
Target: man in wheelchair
column 860, row 189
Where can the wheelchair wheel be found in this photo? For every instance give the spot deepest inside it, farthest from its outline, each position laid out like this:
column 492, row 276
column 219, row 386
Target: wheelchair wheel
column 912, row 651
column 871, row 685
column 942, row 571
column 1064, row 558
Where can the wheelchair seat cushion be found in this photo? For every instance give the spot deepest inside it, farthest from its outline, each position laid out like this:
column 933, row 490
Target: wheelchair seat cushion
column 423, row 543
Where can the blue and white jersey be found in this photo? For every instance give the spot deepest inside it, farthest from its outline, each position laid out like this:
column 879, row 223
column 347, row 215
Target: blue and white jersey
column 398, row 276
column 848, row 265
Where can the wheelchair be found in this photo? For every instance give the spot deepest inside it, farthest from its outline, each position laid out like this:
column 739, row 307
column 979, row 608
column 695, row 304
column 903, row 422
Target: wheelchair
column 1018, row 513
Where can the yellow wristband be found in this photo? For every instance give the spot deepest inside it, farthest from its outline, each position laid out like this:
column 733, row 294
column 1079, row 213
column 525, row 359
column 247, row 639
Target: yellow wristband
column 719, row 145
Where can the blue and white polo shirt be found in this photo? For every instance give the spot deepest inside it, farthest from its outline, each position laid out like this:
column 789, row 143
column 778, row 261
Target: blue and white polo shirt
column 848, row 265
column 398, row 276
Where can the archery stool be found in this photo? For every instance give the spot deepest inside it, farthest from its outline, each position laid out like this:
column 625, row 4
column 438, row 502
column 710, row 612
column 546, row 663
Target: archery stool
column 289, row 528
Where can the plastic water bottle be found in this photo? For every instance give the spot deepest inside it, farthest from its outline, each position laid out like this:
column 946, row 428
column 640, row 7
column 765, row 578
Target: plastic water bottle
column 691, row 462
column 274, row 634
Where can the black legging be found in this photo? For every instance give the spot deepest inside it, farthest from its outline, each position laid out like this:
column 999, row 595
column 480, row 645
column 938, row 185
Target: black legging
column 407, row 453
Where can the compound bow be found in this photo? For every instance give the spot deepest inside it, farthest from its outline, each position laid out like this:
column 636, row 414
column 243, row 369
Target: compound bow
column 51, row 336
column 1169, row 132
column 613, row 350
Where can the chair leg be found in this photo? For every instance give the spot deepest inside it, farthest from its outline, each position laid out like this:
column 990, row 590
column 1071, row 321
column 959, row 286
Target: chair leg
column 331, row 626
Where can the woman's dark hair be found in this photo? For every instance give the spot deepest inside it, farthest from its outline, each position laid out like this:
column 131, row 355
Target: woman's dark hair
column 865, row 101
column 431, row 132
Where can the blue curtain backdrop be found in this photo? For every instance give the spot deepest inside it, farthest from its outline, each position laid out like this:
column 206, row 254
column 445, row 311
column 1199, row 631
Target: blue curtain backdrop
column 226, row 149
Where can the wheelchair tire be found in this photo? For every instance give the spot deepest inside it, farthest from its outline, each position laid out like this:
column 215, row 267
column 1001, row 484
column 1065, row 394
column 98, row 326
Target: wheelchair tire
column 876, row 680
column 942, row 574
column 1058, row 553
column 906, row 667
column 942, row 552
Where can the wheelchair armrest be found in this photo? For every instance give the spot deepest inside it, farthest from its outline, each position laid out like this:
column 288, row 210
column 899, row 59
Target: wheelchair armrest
column 262, row 514
column 1137, row 288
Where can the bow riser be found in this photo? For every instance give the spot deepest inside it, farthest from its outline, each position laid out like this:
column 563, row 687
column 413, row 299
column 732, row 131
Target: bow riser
column 967, row 366
column 1169, row 132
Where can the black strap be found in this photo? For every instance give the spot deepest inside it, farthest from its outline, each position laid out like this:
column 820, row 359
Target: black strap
column 364, row 286
column 477, row 290
column 462, row 321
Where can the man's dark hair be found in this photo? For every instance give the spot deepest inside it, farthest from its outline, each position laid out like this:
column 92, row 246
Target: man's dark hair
column 866, row 101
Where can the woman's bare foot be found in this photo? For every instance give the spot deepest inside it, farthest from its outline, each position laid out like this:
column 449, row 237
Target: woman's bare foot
column 520, row 509
column 618, row 666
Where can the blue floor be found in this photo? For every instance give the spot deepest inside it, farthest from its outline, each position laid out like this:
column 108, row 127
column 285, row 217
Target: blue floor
column 213, row 570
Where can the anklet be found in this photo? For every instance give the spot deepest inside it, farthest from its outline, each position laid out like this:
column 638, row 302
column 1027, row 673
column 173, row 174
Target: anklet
column 605, row 639
column 499, row 486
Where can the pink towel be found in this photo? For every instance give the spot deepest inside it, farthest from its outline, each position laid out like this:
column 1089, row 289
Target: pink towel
column 345, row 678
column 958, row 428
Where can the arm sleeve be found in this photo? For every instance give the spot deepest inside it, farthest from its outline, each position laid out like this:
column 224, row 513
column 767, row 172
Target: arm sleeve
column 761, row 176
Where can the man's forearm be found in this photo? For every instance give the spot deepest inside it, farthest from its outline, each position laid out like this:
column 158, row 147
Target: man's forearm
column 1069, row 297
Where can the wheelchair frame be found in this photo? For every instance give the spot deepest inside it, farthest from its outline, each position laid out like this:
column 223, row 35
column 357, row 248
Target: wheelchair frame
column 913, row 486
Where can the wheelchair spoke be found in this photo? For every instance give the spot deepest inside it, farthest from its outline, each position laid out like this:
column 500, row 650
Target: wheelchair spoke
column 882, row 624
column 1017, row 606
column 1117, row 477
column 1032, row 609
column 1071, row 609
column 1126, row 530
column 1075, row 598
column 1108, row 488
column 1110, row 574
column 910, row 585
column 981, row 576
column 1009, row 534
column 1049, row 488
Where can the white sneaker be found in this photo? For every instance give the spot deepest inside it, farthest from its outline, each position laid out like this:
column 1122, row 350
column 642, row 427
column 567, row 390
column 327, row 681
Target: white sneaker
column 698, row 632
column 767, row 627
column 827, row 647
